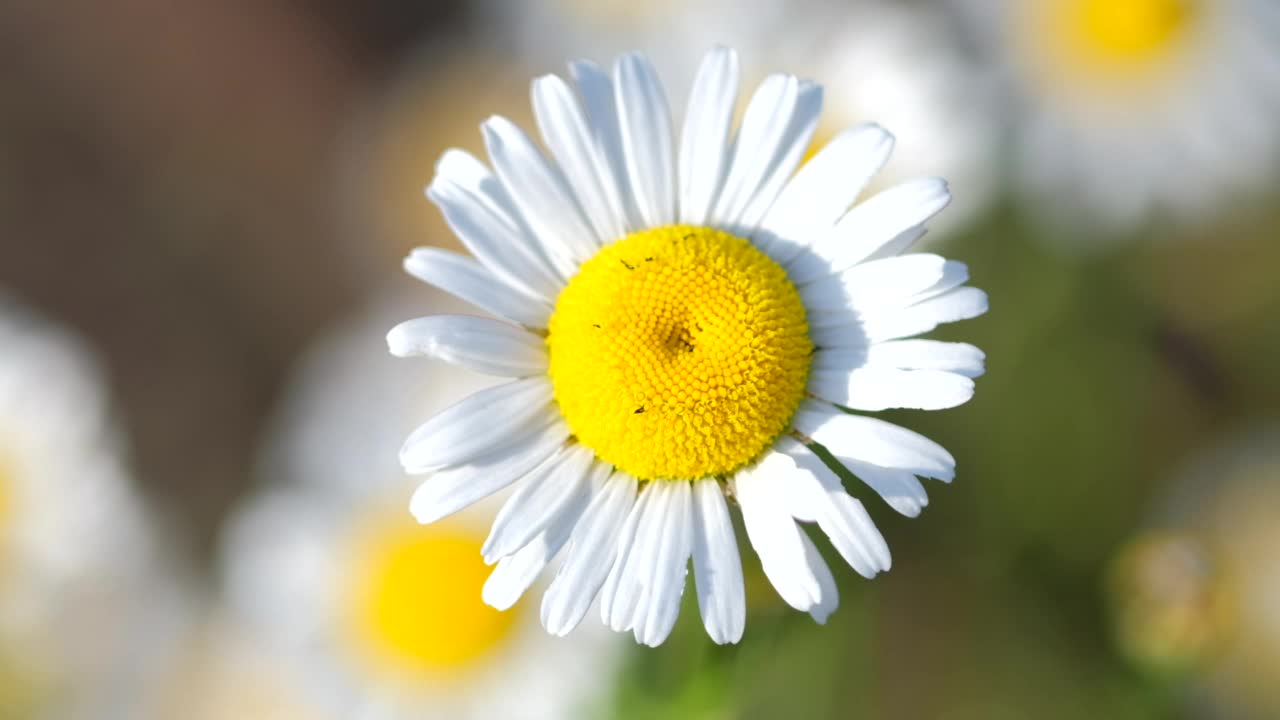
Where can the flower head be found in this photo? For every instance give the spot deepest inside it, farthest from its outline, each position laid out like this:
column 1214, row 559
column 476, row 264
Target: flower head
column 76, row 550
column 686, row 320
column 363, row 611
column 1129, row 109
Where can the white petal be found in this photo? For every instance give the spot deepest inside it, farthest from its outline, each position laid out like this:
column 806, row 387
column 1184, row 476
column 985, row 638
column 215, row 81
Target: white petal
column 844, row 520
column 451, row 490
column 704, row 142
column 898, row 245
column 787, row 157
column 960, row 358
column 570, row 137
column 633, row 602
column 846, row 359
column 468, row 280
column 634, row 575
column 538, row 501
column 869, row 226
column 764, row 129
column 828, row 594
column 540, row 191
column 670, row 565
column 899, row 488
column 823, row 190
column 776, row 537
column 958, row 304
column 515, row 573
column 954, row 274
column 839, row 332
column 482, row 215
column 602, row 114
column 644, row 119
column 716, row 565
column 595, row 544
column 620, row 594
column 880, row 388
column 870, row 440
column 881, row 283
column 804, row 495
column 480, row 344
column 485, row 421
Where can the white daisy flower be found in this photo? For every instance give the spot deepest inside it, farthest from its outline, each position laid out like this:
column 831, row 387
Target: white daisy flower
column 1197, row 591
column 686, row 318
column 374, row 616
column 1134, row 108
column 74, row 546
column 218, row 671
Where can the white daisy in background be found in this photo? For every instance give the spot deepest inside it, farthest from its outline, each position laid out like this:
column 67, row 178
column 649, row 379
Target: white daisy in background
column 686, row 317
column 1198, row 591
column 217, row 671
column 1128, row 109
column 899, row 65
column 75, row 553
column 672, row 32
column 373, row 615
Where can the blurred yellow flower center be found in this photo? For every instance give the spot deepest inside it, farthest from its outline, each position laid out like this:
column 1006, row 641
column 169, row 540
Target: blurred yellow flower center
column 679, row 352
column 1173, row 601
column 6, row 488
column 416, row 606
column 1124, row 32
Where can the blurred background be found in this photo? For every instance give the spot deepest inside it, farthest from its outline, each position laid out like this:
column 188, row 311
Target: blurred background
column 203, row 207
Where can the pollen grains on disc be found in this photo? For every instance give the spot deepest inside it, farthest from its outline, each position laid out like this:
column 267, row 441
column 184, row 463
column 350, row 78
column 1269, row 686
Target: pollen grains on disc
column 679, row 352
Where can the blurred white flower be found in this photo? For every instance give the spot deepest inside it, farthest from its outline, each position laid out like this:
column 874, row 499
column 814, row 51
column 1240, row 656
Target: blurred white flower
column 879, row 62
column 1199, row 591
column 899, row 66
column 1132, row 110
column 75, row 550
column 674, row 33
column 214, row 668
column 375, row 616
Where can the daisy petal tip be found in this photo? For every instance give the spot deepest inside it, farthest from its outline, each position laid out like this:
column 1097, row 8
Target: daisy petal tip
column 723, row 54
column 583, row 67
column 495, row 128
column 821, row 614
column 449, row 157
column 939, row 190
column 495, row 600
column 422, row 511
column 432, row 193
column 981, row 303
column 400, row 343
column 725, row 636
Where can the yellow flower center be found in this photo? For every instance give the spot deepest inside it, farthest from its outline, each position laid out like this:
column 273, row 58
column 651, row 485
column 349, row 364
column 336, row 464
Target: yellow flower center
column 6, row 494
column 1106, row 47
column 679, row 352
column 1173, row 599
column 1126, row 31
column 415, row 598
column 5, row 490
